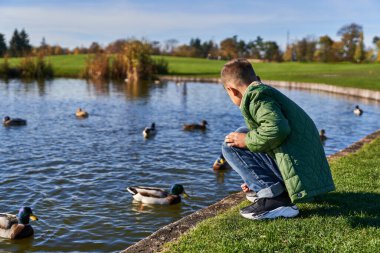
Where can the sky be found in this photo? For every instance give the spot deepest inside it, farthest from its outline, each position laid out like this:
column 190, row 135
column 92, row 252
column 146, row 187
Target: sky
column 72, row 23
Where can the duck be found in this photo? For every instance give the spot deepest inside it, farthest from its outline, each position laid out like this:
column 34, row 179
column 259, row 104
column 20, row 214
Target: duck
column 149, row 131
column 7, row 121
column 191, row 127
column 17, row 226
column 221, row 163
column 81, row 114
column 357, row 111
column 322, row 135
column 157, row 196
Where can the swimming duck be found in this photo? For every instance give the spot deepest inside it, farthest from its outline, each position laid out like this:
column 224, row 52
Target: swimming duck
column 322, row 135
column 221, row 164
column 190, row 127
column 7, row 121
column 81, row 114
column 17, row 226
column 152, row 195
column 358, row 111
column 149, row 131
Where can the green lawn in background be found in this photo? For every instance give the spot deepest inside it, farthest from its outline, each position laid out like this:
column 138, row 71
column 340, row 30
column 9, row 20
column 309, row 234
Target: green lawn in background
column 347, row 220
column 365, row 76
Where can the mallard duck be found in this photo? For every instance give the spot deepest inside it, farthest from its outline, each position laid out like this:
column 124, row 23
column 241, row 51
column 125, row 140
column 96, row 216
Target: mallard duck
column 152, row 195
column 322, row 135
column 221, row 164
column 358, row 111
column 17, row 226
column 190, row 127
column 7, row 121
column 81, row 114
column 149, row 131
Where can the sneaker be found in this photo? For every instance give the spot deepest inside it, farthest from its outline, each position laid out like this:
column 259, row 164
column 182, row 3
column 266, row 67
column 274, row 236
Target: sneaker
column 270, row 208
column 251, row 196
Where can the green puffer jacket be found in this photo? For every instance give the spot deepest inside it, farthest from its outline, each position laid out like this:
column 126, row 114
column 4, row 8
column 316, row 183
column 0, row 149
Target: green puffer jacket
column 282, row 129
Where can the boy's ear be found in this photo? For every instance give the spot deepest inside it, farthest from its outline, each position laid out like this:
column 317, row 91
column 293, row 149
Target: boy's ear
column 234, row 91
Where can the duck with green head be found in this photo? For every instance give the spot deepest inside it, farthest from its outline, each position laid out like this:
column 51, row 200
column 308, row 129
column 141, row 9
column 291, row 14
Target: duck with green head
column 221, row 163
column 153, row 195
column 17, row 226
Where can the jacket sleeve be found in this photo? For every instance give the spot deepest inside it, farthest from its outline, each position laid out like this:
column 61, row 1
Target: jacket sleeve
column 273, row 127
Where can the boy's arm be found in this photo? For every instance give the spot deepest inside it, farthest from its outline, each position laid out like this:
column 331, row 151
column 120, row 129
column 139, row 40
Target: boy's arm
column 273, row 127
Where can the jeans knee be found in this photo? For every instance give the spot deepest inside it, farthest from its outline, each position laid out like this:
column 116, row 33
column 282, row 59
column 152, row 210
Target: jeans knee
column 242, row 130
column 226, row 149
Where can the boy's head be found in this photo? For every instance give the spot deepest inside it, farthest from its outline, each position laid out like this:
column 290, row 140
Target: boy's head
column 236, row 75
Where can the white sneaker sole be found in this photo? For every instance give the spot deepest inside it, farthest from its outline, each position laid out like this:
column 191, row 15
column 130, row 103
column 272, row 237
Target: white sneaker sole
column 252, row 199
column 282, row 211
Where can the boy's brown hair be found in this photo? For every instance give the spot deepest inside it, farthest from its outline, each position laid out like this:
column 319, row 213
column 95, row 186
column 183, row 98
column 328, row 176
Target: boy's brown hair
column 238, row 71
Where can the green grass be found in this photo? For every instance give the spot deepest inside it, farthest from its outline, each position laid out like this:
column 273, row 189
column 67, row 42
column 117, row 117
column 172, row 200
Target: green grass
column 63, row 65
column 347, row 220
column 366, row 76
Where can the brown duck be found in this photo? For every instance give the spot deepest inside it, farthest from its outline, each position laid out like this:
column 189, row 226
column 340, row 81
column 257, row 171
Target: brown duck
column 191, row 127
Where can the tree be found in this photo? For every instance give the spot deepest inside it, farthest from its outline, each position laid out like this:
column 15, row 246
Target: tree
column 44, row 47
column 94, row 48
column 305, row 49
column 25, row 44
column 255, row 48
column 360, row 53
column 229, row 48
column 185, row 51
column 116, row 46
column 3, row 45
column 209, row 48
column 272, row 51
column 350, row 35
column 15, row 44
column 197, row 48
column 289, row 54
column 325, row 49
column 19, row 44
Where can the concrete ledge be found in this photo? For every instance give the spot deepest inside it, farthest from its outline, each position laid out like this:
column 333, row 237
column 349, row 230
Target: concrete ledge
column 173, row 231
column 355, row 92
column 190, row 79
column 355, row 146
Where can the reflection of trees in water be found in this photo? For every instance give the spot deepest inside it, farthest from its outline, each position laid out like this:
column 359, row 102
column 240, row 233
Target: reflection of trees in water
column 29, row 85
column 182, row 87
column 131, row 90
column 101, row 86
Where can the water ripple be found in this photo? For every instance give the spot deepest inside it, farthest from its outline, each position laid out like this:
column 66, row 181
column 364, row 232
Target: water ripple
column 74, row 172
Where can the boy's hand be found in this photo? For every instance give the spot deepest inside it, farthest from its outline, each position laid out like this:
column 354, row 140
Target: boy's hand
column 245, row 187
column 235, row 139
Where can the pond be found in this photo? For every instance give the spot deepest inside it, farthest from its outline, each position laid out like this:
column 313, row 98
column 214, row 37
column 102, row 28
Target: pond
column 74, row 173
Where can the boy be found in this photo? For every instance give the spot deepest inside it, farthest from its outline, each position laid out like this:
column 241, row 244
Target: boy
column 280, row 157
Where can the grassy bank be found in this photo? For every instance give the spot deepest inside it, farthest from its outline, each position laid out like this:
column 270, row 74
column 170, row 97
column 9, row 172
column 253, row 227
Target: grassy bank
column 366, row 76
column 347, row 220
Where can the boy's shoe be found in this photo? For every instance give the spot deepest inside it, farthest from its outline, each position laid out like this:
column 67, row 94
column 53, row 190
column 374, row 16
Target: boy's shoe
column 270, row 208
column 251, row 196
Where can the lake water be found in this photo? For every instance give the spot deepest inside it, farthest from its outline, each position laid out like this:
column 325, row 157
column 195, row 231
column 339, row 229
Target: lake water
column 73, row 173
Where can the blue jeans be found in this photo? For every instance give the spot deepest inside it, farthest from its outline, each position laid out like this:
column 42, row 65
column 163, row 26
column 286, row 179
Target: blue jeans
column 258, row 170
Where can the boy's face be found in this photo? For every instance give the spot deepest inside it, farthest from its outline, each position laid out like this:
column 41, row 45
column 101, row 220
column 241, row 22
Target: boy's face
column 234, row 94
